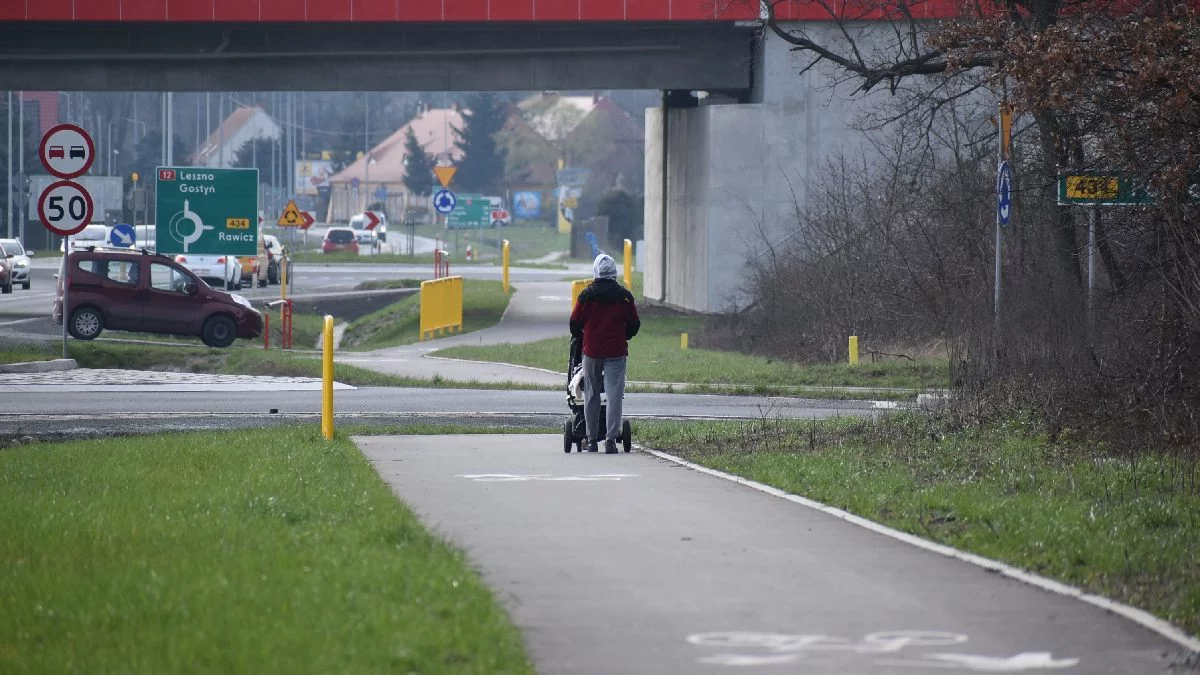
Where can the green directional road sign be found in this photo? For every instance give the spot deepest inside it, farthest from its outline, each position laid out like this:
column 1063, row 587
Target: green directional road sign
column 206, row 211
column 471, row 212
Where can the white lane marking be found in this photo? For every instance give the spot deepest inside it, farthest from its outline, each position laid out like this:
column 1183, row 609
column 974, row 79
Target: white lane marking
column 1138, row 616
column 1022, row 661
column 748, row 660
column 884, row 405
column 20, row 321
column 511, row 477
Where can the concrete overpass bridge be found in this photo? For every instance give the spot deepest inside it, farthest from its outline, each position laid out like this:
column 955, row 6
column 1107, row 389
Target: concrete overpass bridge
column 722, row 169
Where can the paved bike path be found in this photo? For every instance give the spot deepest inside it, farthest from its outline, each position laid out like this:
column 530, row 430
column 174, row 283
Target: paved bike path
column 632, row 564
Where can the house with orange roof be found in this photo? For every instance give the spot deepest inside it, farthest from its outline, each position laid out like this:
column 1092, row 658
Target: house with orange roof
column 242, row 125
column 376, row 179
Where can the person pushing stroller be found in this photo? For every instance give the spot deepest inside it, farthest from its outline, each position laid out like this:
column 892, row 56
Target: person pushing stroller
column 606, row 317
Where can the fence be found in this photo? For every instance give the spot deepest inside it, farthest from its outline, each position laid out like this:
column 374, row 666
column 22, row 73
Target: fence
column 441, row 306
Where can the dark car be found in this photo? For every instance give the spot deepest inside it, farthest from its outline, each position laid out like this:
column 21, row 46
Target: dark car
column 6, row 271
column 124, row 290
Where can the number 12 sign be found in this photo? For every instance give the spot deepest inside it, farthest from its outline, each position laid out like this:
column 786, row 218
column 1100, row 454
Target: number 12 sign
column 65, row 207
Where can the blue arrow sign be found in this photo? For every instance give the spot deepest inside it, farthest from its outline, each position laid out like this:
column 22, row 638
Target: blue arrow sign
column 1004, row 181
column 122, row 235
column 444, row 201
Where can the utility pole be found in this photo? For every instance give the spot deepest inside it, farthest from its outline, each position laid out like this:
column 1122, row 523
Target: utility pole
column 8, row 204
column 170, row 129
column 23, row 186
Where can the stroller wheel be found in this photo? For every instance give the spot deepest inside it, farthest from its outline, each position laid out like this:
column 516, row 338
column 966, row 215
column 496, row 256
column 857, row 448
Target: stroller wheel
column 567, row 439
column 626, row 435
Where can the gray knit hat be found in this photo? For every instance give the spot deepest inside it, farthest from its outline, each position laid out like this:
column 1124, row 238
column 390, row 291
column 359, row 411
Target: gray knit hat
column 604, row 267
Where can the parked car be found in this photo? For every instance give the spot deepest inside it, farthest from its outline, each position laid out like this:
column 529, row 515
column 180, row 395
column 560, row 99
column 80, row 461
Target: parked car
column 217, row 270
column 339, row 239
column 6, row 280
column 18, row 261
column 119, row 289
column 278, row 258
column 254, row 267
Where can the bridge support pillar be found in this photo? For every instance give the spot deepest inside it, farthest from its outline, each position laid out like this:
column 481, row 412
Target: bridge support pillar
column 727, row 175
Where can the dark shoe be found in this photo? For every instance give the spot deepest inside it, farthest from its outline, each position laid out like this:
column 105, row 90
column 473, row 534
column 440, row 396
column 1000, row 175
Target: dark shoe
column 610, row 447
column 593, row 446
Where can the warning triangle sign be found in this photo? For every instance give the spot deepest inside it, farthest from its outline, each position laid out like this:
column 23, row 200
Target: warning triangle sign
column 445, row 174
column 291, row 216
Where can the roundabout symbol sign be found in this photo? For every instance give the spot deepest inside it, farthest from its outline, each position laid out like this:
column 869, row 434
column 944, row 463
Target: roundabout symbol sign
column 444, row 201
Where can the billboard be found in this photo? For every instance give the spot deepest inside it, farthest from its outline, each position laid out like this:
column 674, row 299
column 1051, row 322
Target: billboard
column 312, row 176
column 527, row 205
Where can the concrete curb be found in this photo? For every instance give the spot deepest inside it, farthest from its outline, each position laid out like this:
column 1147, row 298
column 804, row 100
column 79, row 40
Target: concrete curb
column 39, row 366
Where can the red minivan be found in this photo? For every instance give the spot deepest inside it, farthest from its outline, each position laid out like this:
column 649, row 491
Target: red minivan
column 121, row 289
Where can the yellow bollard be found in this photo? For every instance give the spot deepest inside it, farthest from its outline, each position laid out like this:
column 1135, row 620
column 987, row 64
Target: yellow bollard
column 628, row 263
column 683, row 340
column 504, row 264
column 327, row 380
column 854, row 350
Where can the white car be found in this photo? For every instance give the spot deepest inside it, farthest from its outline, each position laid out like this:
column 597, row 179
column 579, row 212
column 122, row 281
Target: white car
column 19, row 261
column 218, row 271
column 92, row 235
column 369, row 237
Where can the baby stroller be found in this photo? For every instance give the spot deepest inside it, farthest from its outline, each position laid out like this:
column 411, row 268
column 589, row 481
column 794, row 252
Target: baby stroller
column 575, row 428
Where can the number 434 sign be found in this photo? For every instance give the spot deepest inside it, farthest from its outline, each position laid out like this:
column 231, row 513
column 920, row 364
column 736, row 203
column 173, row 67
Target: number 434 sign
column 65, row 207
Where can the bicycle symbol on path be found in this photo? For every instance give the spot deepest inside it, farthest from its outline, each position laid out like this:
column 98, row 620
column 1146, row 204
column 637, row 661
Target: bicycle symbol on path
column 782, row 649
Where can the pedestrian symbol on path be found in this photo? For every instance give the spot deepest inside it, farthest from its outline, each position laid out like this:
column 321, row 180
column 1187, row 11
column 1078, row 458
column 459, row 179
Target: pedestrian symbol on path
column 291, row 216
column 197, row 225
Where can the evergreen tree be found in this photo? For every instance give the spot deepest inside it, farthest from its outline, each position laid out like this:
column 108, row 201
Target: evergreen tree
column 482, row 165
column 418, row 166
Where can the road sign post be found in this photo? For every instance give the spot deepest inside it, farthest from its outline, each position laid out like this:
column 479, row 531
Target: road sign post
column 206, row 211
column 66, row 207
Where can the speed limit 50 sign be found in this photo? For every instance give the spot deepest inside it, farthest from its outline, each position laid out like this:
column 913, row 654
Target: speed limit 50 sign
column 65, row 207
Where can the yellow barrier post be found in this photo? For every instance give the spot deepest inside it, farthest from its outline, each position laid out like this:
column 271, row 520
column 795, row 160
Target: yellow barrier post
column 854, row 350
column 628, row 263
column 683, row 340
column 327, row 380
column 283, row 280
column 441, row 306
column 504, row 264
column 577, row 287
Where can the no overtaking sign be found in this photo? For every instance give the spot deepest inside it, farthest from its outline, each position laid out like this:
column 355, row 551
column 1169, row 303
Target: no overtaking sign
column 206, row 211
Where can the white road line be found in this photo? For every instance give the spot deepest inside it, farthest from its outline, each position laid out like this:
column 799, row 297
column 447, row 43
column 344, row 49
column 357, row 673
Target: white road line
column 1138, row 616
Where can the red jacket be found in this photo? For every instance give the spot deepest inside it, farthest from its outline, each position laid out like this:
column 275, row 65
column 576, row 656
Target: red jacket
column 606, row 315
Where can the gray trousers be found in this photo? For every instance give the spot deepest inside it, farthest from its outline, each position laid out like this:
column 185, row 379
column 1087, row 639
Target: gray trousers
column 613, row 372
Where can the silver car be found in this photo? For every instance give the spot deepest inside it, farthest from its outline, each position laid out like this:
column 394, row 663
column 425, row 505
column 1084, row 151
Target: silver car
column 19, row 261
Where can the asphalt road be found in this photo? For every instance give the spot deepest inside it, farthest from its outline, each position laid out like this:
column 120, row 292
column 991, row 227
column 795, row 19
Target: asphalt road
column 630, row 564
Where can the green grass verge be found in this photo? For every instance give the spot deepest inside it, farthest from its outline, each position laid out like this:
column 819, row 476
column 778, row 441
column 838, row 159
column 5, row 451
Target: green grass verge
column 380, row 259
column 1123, row 529
column 655, row 356
column 25, row 353
column 264, row 551
column 250, row 361
column 484, row 303
column 383, row 284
